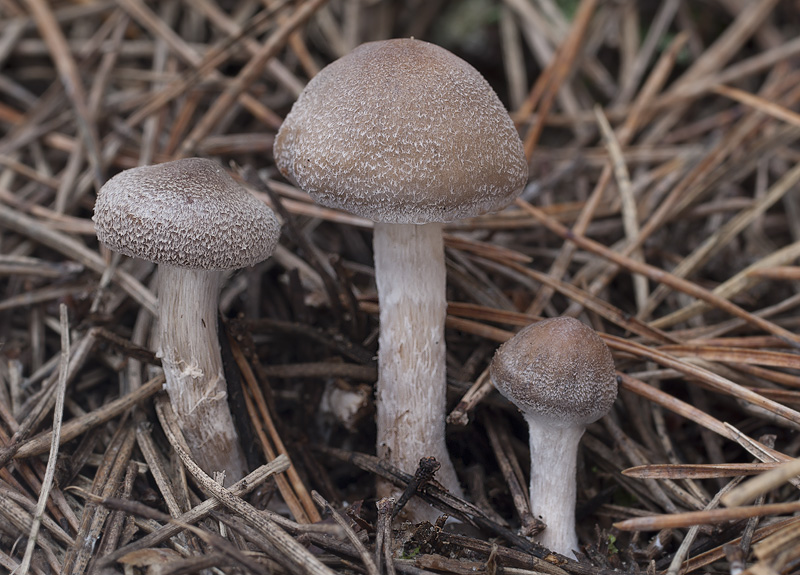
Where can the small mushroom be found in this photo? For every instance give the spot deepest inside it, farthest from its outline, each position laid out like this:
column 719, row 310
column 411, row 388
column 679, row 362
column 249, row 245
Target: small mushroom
column 192, row 219
column 410, row 136
column 560, row 375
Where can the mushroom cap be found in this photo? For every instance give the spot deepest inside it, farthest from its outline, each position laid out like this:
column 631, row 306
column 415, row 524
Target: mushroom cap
column 402, row 131
column 557, row 371
column 188, row 213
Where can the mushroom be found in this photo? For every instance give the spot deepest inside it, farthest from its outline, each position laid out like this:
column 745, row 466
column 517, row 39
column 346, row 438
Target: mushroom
column 192, row 219
column 406, row 134
column 561, row 376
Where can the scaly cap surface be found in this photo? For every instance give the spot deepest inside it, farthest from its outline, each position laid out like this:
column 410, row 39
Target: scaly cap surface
column 557, row 370
column 188, row 213
column 402, row 131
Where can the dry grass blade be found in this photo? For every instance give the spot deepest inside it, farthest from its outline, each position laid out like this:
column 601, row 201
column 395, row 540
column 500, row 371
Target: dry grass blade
column 292, row 488
column 198, row 512
column 70, row 78
column 249, row 74
column 226, row 548
column 763, row 483
column 723, row 236
column 105, row 484
column 789, row 273
column 710, row 517
column 732, row 354
column 697, row 415
column 498, row 436
column 545, row 90
column 780, row 548
column 58, row 414
column 708, row 557
column 293, row 556
column 686, row 544
column 80, row 425
column 661, row 276
column 46, row 398
column 630, row 222
column 654, row 83
column 731, row 287
column 760, row 104
column 696, row 471
column 366, row 558
column 72, row 249
column 712, row 380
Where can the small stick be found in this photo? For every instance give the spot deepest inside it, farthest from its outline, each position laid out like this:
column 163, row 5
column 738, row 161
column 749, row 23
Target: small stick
column 683, row 550
column 79, row 425
column 199, row 512
column 291, row 486
column 509, row 465
column 291, row 554
column 58, row 414
column 479, row 391
column 710, row 517
column 383, row 535
column 214, row 540
column 369, row 564
column 427, row 468
column 248, row 74
column 696, row 471
column 762, row 483
column 659, row 275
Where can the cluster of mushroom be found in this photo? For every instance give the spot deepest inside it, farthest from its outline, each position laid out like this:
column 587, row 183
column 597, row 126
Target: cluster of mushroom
column 406, row 134
column 410, row 136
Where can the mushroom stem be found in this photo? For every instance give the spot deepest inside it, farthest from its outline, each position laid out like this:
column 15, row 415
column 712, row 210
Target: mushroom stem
column 554, row 452
column 411, row 397
column 190, row 356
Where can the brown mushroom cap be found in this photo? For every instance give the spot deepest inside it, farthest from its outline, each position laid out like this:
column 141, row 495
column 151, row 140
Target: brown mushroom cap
column 188, row 213
column 402, row 131
column 557, row 370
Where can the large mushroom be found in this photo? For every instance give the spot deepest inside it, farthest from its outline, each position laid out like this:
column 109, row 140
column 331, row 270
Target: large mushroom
column 406, row 134
column 192, row 219
column 560, row 374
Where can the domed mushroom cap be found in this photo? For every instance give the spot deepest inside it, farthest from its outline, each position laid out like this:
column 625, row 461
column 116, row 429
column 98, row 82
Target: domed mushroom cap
column 402, row 131
column 188, row 213
column 558, row 371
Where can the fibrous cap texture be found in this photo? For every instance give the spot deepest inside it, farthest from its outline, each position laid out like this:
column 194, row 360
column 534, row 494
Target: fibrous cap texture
column 188, row 213
column 558, row 371
column 402, row 131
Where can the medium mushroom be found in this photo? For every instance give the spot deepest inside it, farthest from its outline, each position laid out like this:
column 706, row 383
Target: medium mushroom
column 192, row 219
column 406, row 134
column 561, row 376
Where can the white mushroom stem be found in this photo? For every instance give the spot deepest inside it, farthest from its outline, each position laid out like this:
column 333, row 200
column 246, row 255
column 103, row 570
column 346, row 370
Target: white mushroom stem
column 411, row 398
column 554, row 452
column 190, row 355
